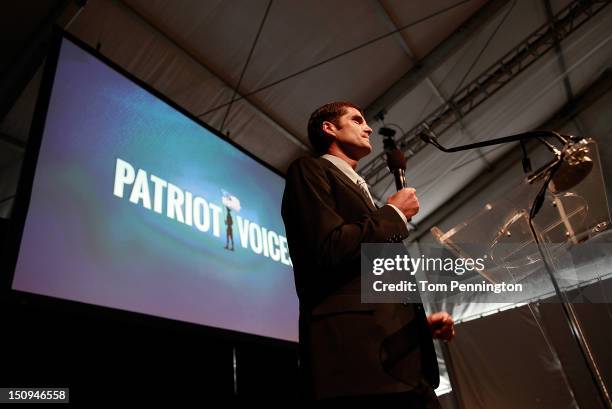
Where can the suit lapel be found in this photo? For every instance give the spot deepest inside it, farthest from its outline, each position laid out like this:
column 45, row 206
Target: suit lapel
column 349, row 183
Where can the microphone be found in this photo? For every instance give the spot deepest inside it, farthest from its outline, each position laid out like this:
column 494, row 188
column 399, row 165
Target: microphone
column 574, row 168
column 396, row 161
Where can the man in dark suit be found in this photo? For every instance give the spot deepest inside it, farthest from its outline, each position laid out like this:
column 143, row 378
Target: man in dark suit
column 353, row 354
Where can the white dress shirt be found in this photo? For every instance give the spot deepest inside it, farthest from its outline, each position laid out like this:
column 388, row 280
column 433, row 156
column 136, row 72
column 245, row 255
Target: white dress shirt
column 359, row 181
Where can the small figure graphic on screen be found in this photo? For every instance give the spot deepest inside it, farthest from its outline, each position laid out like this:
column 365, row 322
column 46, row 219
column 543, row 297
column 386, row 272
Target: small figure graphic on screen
column 228, row 230
column 230, row 202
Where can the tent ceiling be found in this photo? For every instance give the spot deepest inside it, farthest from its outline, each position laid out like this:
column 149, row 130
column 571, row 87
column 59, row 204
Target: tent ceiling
column 195, row 51
column 218, row 37
column 296, row 35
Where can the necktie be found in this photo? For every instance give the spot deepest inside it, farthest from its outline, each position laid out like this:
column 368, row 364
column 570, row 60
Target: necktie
column 364, row 188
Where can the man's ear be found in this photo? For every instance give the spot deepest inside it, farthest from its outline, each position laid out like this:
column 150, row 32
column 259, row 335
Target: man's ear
column 329, row 128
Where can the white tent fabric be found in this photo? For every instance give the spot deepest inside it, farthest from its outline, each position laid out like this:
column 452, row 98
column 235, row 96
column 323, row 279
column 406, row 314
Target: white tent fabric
column 195, row 52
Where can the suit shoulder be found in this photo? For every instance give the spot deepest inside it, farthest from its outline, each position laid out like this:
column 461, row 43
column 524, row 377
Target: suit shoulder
column 306, row 165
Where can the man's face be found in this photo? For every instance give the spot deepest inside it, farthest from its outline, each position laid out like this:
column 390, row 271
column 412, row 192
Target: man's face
column 351, row 134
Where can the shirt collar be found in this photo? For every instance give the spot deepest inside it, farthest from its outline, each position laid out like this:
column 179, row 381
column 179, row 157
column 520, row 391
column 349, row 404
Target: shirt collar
column 344, row 167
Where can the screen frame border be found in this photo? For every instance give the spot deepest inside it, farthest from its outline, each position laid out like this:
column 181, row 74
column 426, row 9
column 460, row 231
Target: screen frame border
column 22, row 202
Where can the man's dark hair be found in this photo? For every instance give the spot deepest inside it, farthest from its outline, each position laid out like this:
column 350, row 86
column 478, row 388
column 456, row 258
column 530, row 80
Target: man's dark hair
column 319, row 140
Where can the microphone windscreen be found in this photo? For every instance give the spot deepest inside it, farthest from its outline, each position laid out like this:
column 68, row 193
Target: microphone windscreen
column 396, row 160
column 572, row 172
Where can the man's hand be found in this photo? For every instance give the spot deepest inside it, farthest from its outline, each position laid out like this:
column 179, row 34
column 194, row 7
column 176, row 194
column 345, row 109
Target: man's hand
column 406, row 201
column 442, row 325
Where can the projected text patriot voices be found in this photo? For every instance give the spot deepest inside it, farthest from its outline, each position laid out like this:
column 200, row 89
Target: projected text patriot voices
column 156, row 194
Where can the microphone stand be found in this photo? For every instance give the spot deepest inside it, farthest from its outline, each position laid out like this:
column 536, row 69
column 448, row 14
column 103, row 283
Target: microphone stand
column 548, row 171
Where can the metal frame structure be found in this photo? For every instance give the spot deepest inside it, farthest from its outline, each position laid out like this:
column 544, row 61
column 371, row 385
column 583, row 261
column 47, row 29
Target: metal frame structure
column 428, row 64
column 499, row 74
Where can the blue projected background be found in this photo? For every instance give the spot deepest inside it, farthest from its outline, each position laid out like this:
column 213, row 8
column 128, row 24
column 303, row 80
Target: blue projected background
column 129, row 209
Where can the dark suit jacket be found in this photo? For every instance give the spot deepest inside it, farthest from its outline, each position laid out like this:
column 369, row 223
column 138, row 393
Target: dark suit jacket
column 346, row 347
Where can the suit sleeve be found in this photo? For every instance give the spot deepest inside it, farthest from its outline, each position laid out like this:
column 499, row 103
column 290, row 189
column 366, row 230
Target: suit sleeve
column 310, row 205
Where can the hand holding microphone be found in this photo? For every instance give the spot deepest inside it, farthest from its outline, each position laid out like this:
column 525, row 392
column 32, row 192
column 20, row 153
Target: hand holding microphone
column 406, row 201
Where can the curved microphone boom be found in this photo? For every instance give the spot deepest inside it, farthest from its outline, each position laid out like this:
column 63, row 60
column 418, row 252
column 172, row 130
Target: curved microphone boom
column 575, row 166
